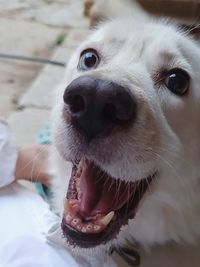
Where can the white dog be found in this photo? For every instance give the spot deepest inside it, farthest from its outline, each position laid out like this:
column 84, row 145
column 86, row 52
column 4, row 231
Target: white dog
column 127, row 139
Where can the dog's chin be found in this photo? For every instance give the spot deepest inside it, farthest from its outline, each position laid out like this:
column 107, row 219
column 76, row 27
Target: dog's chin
column 98, row 205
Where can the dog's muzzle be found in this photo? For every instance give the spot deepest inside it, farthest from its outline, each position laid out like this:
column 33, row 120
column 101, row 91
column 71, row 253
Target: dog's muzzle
column 98, row 204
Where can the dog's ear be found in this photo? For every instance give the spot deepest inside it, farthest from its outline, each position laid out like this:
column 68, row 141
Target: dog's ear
column 193, row 30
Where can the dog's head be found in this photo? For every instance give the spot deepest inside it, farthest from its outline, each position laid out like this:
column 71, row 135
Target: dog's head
column 127, row 118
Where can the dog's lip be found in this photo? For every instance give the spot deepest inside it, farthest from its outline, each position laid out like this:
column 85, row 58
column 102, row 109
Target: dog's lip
column 120, row 216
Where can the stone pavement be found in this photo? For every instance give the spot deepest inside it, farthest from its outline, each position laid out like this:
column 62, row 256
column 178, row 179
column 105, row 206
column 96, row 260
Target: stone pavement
column 44, row 28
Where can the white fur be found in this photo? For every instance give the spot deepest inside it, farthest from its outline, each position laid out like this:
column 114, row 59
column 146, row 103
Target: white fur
column 165, row 136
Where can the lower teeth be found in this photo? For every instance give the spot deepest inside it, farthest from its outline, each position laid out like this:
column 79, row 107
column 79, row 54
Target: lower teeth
column 107, row 219
column 97, row 225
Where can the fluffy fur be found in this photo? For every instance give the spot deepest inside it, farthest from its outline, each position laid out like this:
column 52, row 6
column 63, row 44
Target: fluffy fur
column 164, row 138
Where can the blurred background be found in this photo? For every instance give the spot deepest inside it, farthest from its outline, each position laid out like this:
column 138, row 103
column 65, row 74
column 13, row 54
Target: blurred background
column 51, row 29
column 48, row 29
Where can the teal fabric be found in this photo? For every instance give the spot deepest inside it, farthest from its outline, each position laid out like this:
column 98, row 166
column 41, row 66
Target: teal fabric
column 44, row 138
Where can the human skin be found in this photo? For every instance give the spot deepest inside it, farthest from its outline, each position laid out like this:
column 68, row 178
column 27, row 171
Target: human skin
column 32, row 164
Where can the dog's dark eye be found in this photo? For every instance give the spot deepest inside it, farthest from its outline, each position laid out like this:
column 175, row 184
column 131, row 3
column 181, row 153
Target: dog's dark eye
column 89, row 59
column 177, row 81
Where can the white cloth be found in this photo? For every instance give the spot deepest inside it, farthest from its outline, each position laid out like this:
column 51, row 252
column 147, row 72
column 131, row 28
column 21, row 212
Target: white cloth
column 8, row 155
column 24, row 218
column 30, row 234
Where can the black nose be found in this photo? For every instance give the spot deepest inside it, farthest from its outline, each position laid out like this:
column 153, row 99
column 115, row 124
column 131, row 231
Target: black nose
column 96, row 106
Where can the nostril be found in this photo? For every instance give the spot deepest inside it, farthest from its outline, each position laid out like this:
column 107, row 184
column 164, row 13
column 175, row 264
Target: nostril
column 76, row 103
column 109, row 112
column 117, row 113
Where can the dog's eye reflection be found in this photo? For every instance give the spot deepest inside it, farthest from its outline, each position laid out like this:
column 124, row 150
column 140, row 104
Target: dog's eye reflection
column 89, row 59
column 177, row 81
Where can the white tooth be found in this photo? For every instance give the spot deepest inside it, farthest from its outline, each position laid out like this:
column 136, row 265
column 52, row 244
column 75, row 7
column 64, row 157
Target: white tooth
column 79, row 227
column 66, row 205
column 106, row 219
column 80, row 167
column 83, row 230
column 73, row 202
column 75, row 221
column 97, row 227
column 78, row 173
column 68, row 218
column 89, row 227
column 81, row 163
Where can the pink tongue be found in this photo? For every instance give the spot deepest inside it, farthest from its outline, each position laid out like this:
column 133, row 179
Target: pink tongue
column 101, row 193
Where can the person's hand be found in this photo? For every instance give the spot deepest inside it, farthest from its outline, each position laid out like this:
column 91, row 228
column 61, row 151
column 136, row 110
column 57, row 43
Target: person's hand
column 32, row 164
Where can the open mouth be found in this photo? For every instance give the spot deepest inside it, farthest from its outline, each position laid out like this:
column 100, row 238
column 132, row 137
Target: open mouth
column 97, row 205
